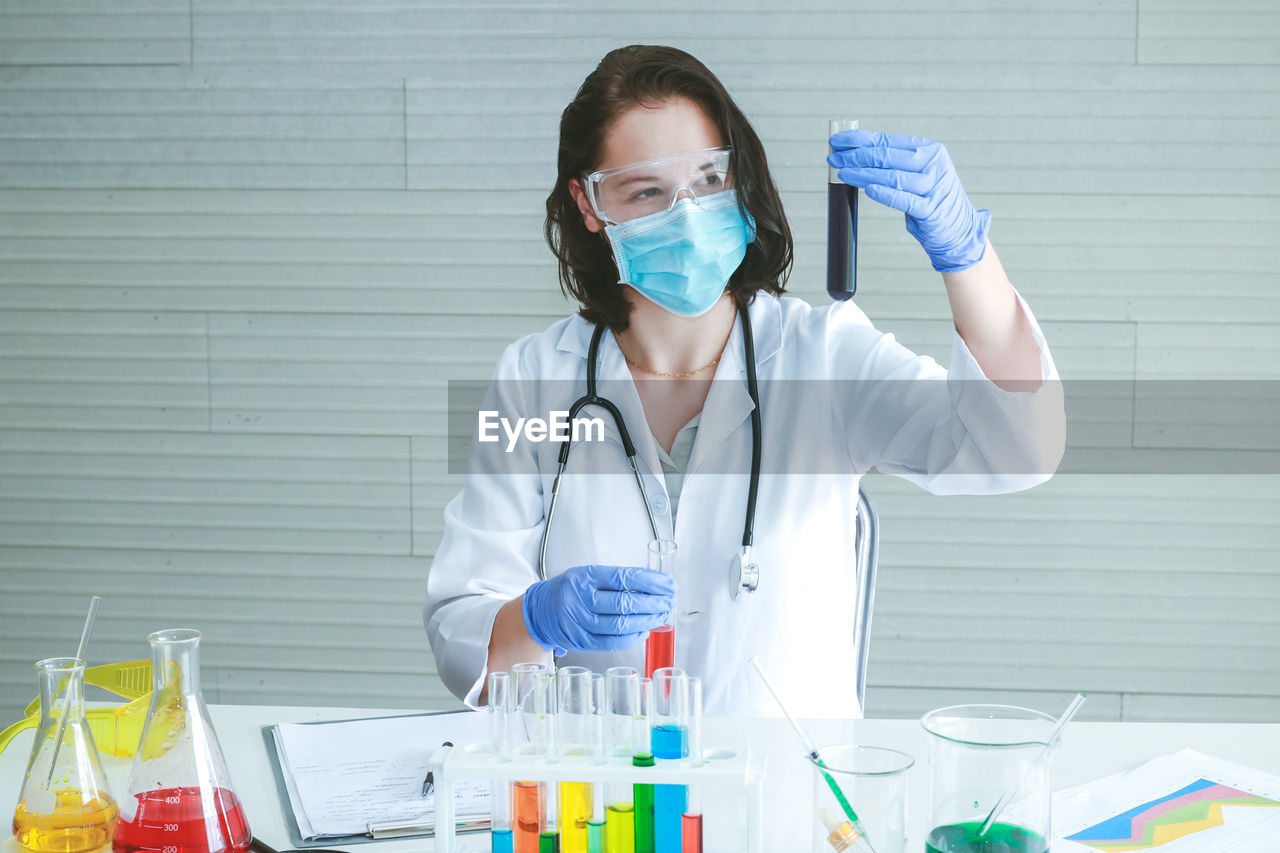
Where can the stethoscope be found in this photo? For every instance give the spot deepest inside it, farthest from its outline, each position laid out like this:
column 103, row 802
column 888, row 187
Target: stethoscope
column 744, row 575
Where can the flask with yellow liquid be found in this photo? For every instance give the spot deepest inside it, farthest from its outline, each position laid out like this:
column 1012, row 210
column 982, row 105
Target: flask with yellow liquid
column 65, row 805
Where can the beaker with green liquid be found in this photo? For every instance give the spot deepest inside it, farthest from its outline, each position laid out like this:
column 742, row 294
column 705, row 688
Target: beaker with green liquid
column 976, row 753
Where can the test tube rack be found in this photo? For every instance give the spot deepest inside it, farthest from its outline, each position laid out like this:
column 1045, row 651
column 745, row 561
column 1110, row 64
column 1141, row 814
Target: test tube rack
column 738, row 773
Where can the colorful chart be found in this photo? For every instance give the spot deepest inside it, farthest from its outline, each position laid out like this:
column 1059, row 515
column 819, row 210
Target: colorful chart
column 1196, row 807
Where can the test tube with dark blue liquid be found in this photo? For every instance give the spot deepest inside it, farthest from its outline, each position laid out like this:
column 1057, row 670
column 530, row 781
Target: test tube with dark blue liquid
column 842, row 226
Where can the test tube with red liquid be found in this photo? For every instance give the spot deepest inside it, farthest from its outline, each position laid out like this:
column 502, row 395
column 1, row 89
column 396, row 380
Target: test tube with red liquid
column 691, row 820
column 660, row 647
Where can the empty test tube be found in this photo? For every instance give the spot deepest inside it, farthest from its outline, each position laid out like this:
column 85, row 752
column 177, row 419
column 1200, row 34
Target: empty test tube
column 622, row 698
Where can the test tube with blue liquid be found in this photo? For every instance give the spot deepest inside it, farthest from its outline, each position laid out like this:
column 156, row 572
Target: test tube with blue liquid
column 842, row 226
column 670, row 743
column 500, row 697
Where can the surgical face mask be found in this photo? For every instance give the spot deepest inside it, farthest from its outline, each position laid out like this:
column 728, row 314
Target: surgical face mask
column 682, row 258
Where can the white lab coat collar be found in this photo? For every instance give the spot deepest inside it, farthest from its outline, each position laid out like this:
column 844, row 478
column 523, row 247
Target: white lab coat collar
column 728, row 403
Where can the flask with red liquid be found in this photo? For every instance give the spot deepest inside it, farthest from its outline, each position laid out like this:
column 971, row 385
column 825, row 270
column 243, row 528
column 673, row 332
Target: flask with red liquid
column 660, row 647
column 179, row 798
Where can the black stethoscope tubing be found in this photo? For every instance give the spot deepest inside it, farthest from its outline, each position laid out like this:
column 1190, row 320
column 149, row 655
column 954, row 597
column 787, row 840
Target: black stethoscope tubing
column 591, row 398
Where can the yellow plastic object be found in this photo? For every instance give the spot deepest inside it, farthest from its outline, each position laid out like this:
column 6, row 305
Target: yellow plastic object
column 116, row 731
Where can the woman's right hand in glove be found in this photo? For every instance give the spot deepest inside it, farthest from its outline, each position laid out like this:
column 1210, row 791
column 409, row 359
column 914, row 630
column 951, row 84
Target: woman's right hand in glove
column 597, row 608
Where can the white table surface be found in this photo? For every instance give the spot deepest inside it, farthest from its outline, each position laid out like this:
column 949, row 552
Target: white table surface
column 1089, row 751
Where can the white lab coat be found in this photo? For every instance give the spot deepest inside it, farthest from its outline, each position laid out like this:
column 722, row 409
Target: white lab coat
column 801, row 620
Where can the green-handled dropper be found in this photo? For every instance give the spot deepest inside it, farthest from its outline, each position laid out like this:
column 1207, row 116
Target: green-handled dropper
column 859, row 840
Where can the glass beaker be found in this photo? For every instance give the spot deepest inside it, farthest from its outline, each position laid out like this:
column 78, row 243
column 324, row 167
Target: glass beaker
column 179, row 798
column 977, row 752
column 873, row 781
column 64, row 806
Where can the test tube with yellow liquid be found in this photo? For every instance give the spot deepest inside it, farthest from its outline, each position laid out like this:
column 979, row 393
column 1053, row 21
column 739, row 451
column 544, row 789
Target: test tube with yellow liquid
column 575, row 738
column 622, row 734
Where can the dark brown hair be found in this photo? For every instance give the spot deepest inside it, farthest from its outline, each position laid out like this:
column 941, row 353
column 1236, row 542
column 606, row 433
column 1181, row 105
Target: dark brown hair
column 647, row 75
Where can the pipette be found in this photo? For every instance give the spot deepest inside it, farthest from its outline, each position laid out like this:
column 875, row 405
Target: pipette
column 1035, row 762
column 859, row 843
column 62, row 721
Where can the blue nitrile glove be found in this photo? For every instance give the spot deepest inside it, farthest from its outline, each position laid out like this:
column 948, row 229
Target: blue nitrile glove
column 597, row 608
column 915, row 175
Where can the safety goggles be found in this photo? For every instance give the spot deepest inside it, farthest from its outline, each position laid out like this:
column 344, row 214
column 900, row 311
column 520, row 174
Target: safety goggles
column 652, row 186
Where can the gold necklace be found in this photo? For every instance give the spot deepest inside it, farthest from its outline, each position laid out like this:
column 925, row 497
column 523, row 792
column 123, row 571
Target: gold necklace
column 641, row 367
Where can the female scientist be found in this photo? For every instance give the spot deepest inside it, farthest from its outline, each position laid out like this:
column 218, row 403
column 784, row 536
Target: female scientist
column 671, row 236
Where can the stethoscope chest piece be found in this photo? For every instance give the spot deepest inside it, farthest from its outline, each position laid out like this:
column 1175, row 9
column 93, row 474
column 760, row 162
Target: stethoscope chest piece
column 744, row 575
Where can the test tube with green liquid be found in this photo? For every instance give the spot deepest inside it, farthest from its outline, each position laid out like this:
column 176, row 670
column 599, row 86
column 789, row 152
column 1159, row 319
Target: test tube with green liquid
column 549, row 837
column 596, row 825
column 643, row 796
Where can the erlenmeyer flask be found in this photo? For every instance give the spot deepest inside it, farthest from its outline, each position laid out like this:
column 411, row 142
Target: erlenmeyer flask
column 64, row 806
column 179, row 798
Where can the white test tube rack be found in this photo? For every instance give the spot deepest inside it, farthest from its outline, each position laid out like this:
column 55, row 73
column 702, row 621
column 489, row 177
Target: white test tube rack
column 721, row 770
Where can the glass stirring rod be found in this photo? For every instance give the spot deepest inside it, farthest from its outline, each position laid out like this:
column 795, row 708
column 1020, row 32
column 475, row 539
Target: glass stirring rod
column 858, row 842
column 1035, row 762
column 80, row 650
